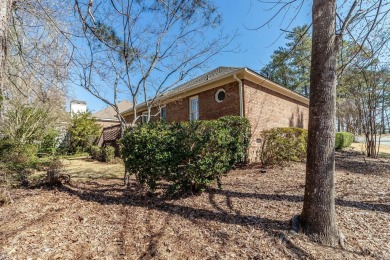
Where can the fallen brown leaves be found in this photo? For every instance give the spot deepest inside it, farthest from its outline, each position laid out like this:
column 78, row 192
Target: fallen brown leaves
column 248, row 218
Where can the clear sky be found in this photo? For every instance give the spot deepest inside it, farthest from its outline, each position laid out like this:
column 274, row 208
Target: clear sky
column 254, row 47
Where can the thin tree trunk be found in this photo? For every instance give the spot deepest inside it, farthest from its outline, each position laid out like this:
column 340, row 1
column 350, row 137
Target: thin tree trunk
column 383, row 127
column 339, row 124
column 5, row 8
column 318, row 218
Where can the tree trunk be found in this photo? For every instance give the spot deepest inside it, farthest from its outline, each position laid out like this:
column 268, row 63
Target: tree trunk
column 318, row 218
column 5, row 7
column 383, row 126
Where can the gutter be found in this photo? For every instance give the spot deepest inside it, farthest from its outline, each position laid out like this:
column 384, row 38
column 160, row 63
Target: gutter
column 252, row 76
column 241, row 95
column 279, row 89
column 174, row 93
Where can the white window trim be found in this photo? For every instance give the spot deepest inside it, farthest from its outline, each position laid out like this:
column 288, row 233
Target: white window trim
column 144, row 115
column 216, row 95
column 190, row 102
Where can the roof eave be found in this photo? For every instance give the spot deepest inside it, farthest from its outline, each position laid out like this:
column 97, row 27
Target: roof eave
column 173, row 93
column 244, row 73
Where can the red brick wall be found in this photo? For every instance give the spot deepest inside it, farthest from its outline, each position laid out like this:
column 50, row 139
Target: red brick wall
column 267, row 109
column 178, row 110
column 263, row 107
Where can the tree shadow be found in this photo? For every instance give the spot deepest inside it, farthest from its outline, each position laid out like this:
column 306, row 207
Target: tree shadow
column 299, row 121
column 135, row 197
column 298, row 198
column 354, row 162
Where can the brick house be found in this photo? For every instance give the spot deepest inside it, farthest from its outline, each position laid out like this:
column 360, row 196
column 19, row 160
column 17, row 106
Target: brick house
column 231, row 91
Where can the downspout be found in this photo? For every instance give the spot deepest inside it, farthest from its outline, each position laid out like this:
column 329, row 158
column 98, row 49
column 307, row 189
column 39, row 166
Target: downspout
column 241, row 95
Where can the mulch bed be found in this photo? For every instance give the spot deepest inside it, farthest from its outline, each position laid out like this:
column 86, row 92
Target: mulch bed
column 248, row 218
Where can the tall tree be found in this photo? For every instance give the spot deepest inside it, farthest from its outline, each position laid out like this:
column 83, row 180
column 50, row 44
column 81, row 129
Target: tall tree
column 144, row 48
column 290, row 65
column 363, row 22
column 5, row 10
column 318, row 216
column 363, row 108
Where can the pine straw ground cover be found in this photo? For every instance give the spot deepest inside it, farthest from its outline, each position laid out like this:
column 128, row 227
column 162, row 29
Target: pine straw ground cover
column 249, row 218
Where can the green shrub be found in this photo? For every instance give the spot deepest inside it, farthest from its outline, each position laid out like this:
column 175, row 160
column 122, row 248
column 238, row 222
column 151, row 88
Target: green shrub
column 283, row 144
column 96, row 152
column 17, row 161
column 108, row 154
column 188, row 155
column 343, row 140
column 103, row 154
column 49, row 143
column 83, row 131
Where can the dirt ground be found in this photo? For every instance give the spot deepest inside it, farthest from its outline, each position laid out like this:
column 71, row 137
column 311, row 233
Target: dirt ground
column 95, row 217
column 384, row 151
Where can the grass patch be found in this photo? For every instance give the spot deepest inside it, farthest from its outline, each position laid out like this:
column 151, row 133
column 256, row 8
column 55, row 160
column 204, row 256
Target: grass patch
column 384, row 151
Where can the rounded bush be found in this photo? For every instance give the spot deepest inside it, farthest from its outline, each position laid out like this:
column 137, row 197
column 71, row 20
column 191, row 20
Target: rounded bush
column 188, row 155
column 283, row 144
column 343, row 140
column 108, row 154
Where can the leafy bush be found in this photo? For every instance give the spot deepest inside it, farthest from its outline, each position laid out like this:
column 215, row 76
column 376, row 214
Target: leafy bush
column 188, row 155
column 83, row 132
column 49, row 143
column 17, row 161
column 343, row 140
column 105, row 154
column 283, row 144
column 96, row 152
column 108, row 154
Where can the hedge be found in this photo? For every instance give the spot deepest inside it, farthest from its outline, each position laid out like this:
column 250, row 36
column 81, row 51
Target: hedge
column 289, row 144
column 108, row 154
column 103, row 154
column 187, row 155
column 283, row 144
column 343, row 140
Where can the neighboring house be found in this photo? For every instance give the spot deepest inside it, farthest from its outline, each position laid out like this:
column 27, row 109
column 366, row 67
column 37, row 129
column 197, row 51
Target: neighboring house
column 77, row 106
column 110, row 136
column 231, row 91
column 108, row 119
column 108, row 116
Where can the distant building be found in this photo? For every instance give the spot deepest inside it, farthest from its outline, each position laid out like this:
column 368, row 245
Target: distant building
column 77, row 106
column 108, row 116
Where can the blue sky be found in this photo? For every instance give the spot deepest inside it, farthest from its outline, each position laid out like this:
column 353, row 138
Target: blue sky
column 255, row 47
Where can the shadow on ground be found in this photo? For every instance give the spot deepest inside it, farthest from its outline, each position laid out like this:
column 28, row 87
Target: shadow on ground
column 354, row 162
column 132, row 196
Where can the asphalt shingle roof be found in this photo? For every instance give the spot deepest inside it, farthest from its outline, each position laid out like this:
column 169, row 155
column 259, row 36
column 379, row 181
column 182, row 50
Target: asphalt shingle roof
column 215, row 73
column 109, row 112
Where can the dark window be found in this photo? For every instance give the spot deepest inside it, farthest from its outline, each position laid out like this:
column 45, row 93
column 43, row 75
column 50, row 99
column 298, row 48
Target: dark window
column 220, row 95
column 163, row 113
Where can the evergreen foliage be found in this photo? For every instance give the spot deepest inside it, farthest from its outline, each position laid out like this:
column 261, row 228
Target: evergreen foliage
column 343, row 140
column 103, row 154
column 83, row 131
column 188, row 155
column 283, row 144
